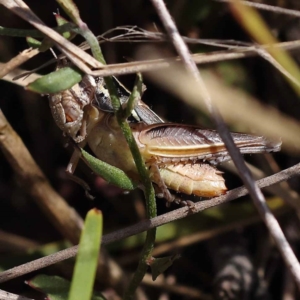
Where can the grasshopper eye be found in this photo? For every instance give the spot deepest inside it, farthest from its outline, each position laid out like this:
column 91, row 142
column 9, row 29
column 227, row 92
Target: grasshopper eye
column 69, row 119
column 72, row 113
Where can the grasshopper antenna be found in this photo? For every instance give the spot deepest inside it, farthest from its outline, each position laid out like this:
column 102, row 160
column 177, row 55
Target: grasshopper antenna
column 53, row 53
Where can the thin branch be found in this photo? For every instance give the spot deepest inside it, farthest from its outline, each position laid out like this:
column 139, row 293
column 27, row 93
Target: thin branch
column 201, row 236
column 148, row 224
column 36, row 185
column 161, row 63
column 267, row 7
column 216, row 56
column 9, row 296
column 247, row 17
column 17, row 72
column 74, row 53
column 255, row 192
column 185, row 291
column 13, row 242
column 281, row 190
column 17, row 61
column 277, row 65
column 136, row 34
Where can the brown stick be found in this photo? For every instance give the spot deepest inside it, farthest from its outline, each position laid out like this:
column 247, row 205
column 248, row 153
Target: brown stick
column 33, row 181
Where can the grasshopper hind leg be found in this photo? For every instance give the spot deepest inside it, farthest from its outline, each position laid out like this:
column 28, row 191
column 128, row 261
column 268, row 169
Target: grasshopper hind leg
column 174, row 199
column 163, row 190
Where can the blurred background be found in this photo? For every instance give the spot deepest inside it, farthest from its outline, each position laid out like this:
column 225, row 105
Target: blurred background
column 210, row 242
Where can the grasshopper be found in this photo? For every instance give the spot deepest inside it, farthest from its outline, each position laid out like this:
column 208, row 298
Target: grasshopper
column 179, row 157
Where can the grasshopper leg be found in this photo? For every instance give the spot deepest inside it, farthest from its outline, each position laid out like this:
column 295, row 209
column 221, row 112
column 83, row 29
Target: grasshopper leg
column 164, row 192
column 73, row 161
column 82, row 132
column 71, row 169
column 190, row 204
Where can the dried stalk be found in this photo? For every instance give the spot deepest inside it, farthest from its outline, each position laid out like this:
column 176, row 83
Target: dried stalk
column 256, row 194
column 17, row 61
column 9, row 296
column 74, row 53
column 34, row 182
column 267, row 7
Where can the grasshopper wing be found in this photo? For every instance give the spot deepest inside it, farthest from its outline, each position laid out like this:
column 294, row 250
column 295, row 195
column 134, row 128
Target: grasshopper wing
column 176, row 143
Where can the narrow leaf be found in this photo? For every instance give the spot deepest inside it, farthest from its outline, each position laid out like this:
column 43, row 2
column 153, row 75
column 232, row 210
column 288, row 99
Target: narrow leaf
column 61, row 21
column 87, row 257
column 55, row 287
column 160, row 265
column 57, row 81
column 250, row 19
column 135, row 96
column 109, row 173
column 32, row 42
column 70, row 9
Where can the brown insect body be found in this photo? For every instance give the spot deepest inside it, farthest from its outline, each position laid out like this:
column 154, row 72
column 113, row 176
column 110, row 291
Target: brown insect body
column 108, row 143
column 179, row 151
column 179, row 157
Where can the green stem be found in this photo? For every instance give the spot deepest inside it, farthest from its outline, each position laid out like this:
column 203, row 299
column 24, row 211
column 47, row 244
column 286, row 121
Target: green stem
column 34, row 33
column 93, row 42
column 142, row 266
column 141, row 167
column 135, row 96
column 150, row 206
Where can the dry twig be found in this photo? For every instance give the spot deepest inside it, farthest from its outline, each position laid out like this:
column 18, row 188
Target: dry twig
column 74, row 53
column 13, row 242
column 17, row 61
column 9, row 296
column 256, row 194
column 36, row 185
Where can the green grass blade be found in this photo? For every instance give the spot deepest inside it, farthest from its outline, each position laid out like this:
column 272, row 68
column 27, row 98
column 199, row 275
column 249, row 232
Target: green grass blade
column 87, row 257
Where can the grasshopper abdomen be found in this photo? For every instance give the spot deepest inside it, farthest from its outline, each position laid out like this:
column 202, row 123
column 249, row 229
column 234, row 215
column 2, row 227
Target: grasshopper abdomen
column 198, row 179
